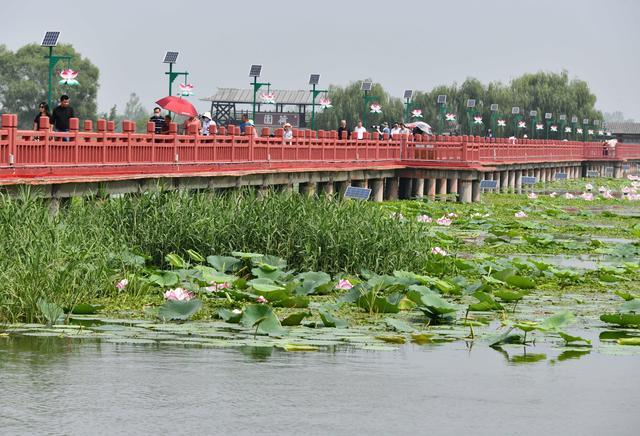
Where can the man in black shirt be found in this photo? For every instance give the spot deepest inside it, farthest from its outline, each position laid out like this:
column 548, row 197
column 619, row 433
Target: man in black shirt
column 343, row 128
column 61, row 115
column 157, row 119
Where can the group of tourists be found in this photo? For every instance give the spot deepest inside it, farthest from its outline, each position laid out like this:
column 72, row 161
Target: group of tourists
column 59, row 118
column 360, row 130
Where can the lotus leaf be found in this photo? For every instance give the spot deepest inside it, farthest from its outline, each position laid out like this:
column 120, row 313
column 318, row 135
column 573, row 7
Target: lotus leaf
column 247, row 256
column 625, row 295
column 311, row 281
column 485, row 303
column 330, row 321
column 622, row 319
column 180, row 310
column 50, row 311
column 568, row 339
column 557, row 321
column 224, row 264
column 211, row 275
column 295, row 318
column 261, row 317
column 520, row 282
column 392, row 339
column 164, row 279
column 265, row 285
column 229, row 316
column 399, row 325
column 631, row 306
column 628, row 341
column 509, row 295
column 175, row 260
column 299, row 347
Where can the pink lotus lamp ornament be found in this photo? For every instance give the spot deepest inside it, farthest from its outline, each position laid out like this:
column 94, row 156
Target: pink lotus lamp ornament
column 416, row 113
column 376, row 108
column 554, row 128
column 601, row 132
column 186, row 89
column 579, row 131
column 69, row 77
column 502, row 123
column 450, row 117
column 521, row 124
column 539, row 126
column 268, row 98
column 325, row 103
column 589, row 132
column 567, row 130
column 477, row 119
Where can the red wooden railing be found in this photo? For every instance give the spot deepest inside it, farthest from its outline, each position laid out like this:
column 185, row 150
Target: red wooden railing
column 103, row 149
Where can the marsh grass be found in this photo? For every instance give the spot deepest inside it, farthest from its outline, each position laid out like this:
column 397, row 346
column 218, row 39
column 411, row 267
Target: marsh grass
column 78, row 254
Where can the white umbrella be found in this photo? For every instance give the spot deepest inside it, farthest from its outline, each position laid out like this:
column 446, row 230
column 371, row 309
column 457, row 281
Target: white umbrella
column 420, row 125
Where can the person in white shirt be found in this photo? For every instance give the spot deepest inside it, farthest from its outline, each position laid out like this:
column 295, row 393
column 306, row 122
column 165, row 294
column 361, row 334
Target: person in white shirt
column 288, row 131
column 395, row 130
column 360, row 130
column 206, row 122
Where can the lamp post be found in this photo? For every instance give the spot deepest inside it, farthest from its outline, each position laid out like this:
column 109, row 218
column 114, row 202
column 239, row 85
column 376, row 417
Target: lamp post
column 50, row 40
column 548, row 121
column 585, row 129
column 596, row 125
column 170, row 58
column 408, row 95
column 471, row 111
column 494, row 117
column 574, row 125
column 255, row 73
column 563, row 121
column 533, row 119
column 442, row 109
column 366, row 88
column 515, row 111
column 313, row 81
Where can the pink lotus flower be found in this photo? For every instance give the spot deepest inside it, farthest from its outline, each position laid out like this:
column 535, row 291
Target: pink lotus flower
column 217, row 287
column 261, row 300
column 178, row 294
column 602, row 189
column 588, row 187
column 443, row 221
column 520, row 214
column 452, row 215
column 122, row 284
column 344, row 284
column 607, row 195
column 532, row 195
column 439, row 251
column 569, row 196
column 632, row 177
column 587, row 196
column 424, row 219
column 553, row 195
column 626, row 190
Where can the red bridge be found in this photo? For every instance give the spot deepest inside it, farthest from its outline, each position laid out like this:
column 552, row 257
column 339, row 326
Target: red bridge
column 84, row 160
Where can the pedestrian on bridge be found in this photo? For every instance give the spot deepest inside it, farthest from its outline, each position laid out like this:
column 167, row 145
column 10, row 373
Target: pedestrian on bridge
column 43, row 111
column 343, row 129
column 206, row 123
column 157, row 119
column 61, row 115
column 360, row 130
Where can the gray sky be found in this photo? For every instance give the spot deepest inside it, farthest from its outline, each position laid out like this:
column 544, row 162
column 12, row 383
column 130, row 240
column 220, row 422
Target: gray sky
column 400, row 44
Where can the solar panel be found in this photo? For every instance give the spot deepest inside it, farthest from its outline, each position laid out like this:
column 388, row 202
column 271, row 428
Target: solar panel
column 585, row 121
column 561, row 176
column 494, row 107
column 408, row 94
column 255, row 71
column 471, row 102
column 563, row 117
column 574, row 119
column 528, row 180
column 596, row 122
column 356, row 193
column 50, row 39
column 488, row 184
column 548, row 115
column 515, row 110
column 170, row 57
column 442, row 99
column 314, row 79
column 366, row 86
column 592, row 174
column 533, row 113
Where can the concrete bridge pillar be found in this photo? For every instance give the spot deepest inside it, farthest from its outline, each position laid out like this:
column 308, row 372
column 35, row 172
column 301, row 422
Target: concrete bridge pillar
column 418, row 187
column 512, row 181
column 328, row 189
column 466, row 191
column 452, row 187
column 288, row 188
column 364, row 183
column 431, row 189
column 537, row 173
column 617, row 170
column 442, row 189
column 496, row 177
column 504, row 181
column 393, row 185
column 341, row 187
column 488, row 176
column 475, row 191
column 518, row 181
column 309, row 188
column 405, row 188
column 377, row 190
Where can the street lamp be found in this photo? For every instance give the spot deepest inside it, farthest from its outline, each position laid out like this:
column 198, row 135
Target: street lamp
column 574, row 124
column 408, row 94
column 548, row 121
column 50, row 40
column 366, row 88
column 494, row 115
column 471, row 104
column 313, row 81
column 533, row 119
column 563, row 121
column 585, row 129
column 442, row 109
column 515, row 111
column 170, row 58
column 255, row 73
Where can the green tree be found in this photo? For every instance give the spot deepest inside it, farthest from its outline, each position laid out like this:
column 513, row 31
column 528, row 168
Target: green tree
column 134, row 111
column 24, row 82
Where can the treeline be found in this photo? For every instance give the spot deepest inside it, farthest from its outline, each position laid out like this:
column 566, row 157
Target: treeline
column 542, row 91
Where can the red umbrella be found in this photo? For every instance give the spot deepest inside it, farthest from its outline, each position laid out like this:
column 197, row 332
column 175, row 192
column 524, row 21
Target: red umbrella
column 178, row 105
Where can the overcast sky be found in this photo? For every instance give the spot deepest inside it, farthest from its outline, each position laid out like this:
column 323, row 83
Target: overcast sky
column 400, row 44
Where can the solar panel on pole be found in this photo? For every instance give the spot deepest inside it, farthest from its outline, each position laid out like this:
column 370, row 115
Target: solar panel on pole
column 314, row 79
column 408, row 94
column 574, row 119
column 366, row 86
column 170, row 57
column 563, row 117
column 255, row 71
column 533, row 113
column 442, row 99
column 515, row 110
column 548, row 115
column 50, row 39
column 494, row 107
column 471, row 103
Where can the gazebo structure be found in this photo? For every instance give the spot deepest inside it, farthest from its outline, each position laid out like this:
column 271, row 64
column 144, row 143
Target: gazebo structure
column 228, row 105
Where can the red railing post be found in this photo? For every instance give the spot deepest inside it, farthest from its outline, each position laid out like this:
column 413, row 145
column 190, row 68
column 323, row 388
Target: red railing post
column 74, row 125
column 101, row 127
column 10, row 123
column 45, row 126
column 249, row 130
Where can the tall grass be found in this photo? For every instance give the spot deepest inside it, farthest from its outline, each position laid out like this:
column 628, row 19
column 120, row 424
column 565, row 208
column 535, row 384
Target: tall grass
column 69, row 257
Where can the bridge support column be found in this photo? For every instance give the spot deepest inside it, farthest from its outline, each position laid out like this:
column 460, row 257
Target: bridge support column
column 431, row 189
column 327, row 189
column 504, row 181
column 475, row 191
column 544, row 175
column 418, row 187
column 405, row 188
column 536, row 174
column 496, row 177
column 364, row 183
column 377, row 190
column 518, row 182
column 617, row 170
column 452, row 188
column 341, row 187
column 512, row 181
column 465, row 191
column 263, row 191
column 393, row 186
column 309, row 188
column 442, row 189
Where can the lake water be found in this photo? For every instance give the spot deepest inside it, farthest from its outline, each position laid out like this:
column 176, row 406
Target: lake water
column 60, row 386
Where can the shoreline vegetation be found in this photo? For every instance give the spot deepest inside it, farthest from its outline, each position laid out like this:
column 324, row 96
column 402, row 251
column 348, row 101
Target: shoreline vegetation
column 275, row 267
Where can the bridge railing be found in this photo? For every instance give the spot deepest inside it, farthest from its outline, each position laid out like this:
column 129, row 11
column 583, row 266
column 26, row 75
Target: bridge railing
column 105, row 147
